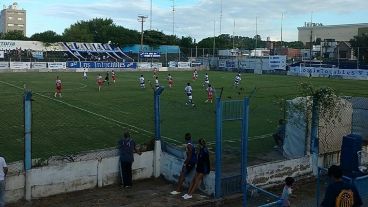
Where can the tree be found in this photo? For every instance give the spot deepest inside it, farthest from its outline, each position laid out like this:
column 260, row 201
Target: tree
column 13, row 35
column 361, row 42
column 48, row 37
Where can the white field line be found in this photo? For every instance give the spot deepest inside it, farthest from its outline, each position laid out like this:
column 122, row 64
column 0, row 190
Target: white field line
column 133, row 128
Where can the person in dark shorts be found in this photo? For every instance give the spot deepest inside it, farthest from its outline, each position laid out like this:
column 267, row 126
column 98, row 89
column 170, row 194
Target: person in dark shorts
column 189, row 163
column 340, row 193
column 203, row 168
column 279, row 136
column 107, row 78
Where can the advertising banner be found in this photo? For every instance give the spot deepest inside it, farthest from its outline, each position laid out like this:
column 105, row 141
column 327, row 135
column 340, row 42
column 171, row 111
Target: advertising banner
column 183, row 64
column 2, row 54
column 150, row 55
column 56, row 65
column 86, row 64
column 4, row 65
column 328, row 72
column 20, row 65
column 37, row 65
column 277, row 62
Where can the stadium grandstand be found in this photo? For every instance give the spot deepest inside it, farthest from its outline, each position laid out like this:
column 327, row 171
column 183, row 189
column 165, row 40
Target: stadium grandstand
column 62, row 51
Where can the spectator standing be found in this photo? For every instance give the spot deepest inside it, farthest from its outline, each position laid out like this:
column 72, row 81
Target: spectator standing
column 3, row 172
column 188, row 165
column 126, row 149
column 280, row 134
column 340, row 193
column 203, row 168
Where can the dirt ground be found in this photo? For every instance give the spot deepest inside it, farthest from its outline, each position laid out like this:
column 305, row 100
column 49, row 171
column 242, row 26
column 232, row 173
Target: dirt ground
column 155, row 193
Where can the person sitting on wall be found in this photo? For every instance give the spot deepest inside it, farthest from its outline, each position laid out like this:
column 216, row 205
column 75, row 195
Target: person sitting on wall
column 279, row 136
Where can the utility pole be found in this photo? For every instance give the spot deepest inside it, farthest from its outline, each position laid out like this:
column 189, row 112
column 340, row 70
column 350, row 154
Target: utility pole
column 142, row 19
column 311, row 41
column 151, row 16
column 220, row 17
column 173, row 11
column 214, row 37
column 255, row 49
column 234, row 35
column 282, row 19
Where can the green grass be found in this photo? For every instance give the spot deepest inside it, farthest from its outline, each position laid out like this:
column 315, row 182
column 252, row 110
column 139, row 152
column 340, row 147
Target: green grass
column 60, row 129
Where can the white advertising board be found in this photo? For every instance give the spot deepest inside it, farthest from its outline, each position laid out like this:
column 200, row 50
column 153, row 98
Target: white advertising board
column 4, row 65
column 183, row 64
column 56, row 65
column 37, row 65
column 20, row 65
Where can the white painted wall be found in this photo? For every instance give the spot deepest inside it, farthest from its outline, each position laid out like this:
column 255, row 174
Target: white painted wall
column 74, row 176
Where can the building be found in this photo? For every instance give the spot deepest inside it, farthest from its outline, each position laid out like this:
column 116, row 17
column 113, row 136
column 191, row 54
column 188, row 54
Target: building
column 339, row 33
column 13, row 18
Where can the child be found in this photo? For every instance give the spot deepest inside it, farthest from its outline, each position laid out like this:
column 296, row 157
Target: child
column 237, row 80
column 170, row 79
column 85, row 74
column 99, row 82
column 157, row 84
column 107, row 78
column 188, row 91
column 113, row 76
column 206, row 80
column 203, row 168
column 287, row 191
column 58, row 87
column 195, row 75
column 210, row 91
column 141, row 81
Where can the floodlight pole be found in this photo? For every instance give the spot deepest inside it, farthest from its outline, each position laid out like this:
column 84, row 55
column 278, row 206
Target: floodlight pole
column 151, row 16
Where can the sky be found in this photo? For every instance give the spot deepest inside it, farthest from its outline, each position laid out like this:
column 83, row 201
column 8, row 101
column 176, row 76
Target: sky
column 197, row 18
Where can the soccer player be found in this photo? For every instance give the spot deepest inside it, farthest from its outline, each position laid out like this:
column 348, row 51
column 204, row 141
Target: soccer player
column 155, row 72
column 107, row 78
column 58, row 87
column 113, row 76
column 141, row 82
column 99, row 82
column 157, row 84
column 210, row 91
column 195, row 75
column 206, row 80
column 85, row 75
column 188, row 90
column 237, row 80
column 170, row 79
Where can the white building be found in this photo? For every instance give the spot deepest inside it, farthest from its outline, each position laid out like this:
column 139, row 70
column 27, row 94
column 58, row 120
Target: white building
column 339, row 33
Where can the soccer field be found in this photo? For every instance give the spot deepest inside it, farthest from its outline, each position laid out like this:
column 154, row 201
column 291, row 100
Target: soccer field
column 85, row 119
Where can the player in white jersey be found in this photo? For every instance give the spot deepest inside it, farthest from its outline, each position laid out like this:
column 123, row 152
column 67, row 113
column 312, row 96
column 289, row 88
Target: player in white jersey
column 237, row 80
column 157, row 84
column 141, row 81
column 206, row 80
column 85, row 74
column 113, row 76
column 188, row 90
column 100, row 82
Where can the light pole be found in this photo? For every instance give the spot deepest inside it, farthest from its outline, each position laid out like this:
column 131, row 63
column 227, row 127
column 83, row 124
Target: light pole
column 142, row 19
column 151, row 16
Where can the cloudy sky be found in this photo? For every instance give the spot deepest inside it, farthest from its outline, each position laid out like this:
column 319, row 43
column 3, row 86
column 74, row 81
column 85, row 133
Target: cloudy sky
column 197, row 18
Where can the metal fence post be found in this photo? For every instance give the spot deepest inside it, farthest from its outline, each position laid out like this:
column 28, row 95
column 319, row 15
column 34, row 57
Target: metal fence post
column 244, row 149
column 218, row 174
column 27, row 142
column 157, row 150
column 315, row 144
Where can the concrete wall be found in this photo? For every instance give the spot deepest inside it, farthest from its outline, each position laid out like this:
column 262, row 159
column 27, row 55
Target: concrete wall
column 274, row 173
column 63, row 177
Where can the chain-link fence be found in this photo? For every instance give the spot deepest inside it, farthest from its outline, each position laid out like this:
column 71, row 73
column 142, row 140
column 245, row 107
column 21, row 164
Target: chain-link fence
column 12, row 120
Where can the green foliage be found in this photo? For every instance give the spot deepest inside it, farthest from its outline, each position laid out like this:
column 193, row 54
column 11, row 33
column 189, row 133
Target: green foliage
column 46, row 37
column 361, row 42
column 13, row 35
